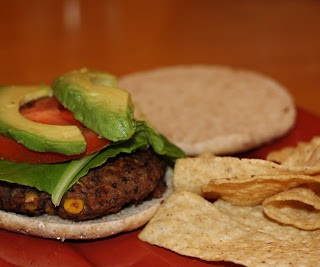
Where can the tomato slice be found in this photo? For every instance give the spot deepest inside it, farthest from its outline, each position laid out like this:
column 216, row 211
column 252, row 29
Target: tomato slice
column 48, row 111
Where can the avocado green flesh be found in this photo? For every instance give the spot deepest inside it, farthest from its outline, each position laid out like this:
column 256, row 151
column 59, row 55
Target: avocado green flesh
column 40, row 137
column 95, row 101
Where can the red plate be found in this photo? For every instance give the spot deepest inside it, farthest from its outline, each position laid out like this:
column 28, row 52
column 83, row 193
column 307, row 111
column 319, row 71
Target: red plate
column 124, row 249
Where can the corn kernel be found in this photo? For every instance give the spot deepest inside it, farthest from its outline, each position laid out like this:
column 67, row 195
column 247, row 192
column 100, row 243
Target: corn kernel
column 31, row 201
column 73, row 206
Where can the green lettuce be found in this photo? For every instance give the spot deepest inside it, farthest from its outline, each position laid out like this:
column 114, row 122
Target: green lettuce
column 57, row 178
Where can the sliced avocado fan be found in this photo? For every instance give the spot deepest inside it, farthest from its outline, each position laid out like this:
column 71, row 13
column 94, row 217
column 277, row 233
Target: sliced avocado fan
column 40, row 137
column 97, row 102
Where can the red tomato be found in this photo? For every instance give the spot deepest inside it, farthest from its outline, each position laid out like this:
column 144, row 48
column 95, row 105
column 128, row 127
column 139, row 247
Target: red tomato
column 48, row 111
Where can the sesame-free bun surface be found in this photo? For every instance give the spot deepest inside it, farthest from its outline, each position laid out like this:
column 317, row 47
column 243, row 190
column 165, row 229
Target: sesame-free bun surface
column 53, row 227
column 211, row 108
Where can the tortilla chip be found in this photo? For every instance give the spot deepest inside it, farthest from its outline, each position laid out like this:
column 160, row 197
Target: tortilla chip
column 192, row 173
column 189, row 225
column 252, row 190
column 304, row 154
column 280, row 156
column 299, row 207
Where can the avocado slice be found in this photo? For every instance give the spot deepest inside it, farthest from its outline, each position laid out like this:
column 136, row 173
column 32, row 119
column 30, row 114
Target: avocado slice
column 40, row 137
column 96, row 101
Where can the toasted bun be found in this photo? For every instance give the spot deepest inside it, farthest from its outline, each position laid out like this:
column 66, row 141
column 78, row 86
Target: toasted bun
column 54, row 227
column 211, row 108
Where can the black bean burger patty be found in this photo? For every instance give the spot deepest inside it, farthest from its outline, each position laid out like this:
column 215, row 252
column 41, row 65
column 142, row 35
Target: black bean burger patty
column 123, row 180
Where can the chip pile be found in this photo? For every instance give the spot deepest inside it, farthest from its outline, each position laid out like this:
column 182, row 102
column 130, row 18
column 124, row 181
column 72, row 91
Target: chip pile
column 247, row 211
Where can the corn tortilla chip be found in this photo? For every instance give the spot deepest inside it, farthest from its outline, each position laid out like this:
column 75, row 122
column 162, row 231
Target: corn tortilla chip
column 189, row 225
column 299, row 207
column 192, row 173
column 304, row 154
column 253, row 190
column 280, row 156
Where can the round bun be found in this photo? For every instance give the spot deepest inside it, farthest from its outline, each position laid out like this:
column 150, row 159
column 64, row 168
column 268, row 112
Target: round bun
column 205, row 108
column 54, row 227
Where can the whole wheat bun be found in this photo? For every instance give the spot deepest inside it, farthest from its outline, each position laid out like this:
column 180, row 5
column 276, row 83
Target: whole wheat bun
column 211, row 108
column 54, row 227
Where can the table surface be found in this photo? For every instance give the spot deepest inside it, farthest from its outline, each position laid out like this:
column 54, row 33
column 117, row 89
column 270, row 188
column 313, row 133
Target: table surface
column 41, row 39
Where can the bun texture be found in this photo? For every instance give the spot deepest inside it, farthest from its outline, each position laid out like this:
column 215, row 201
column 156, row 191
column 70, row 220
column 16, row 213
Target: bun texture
column 208, row 108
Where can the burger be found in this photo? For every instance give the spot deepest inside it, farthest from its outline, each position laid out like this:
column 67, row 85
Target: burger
column 75, row 163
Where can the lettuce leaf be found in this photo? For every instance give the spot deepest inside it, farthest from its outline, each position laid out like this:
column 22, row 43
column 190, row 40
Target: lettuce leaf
column 57, row 178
